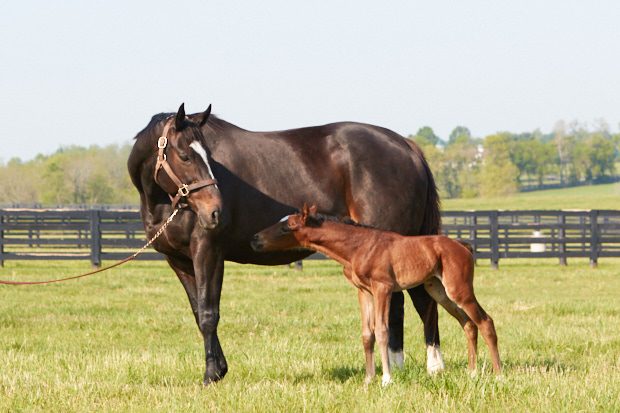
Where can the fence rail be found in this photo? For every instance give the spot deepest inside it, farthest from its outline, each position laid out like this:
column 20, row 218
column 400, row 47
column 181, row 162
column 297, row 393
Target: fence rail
column 96, row 235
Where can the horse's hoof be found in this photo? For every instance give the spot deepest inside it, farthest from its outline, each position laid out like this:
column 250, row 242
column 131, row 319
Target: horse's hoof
column 397, row 358
column 434, row 360
column 214, row 375
column 386, row 381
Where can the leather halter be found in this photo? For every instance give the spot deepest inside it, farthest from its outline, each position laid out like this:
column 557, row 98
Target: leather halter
column 183, row 189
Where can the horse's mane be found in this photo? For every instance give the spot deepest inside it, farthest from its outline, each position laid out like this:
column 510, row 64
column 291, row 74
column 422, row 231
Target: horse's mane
column 214, row 124
column 342, row 220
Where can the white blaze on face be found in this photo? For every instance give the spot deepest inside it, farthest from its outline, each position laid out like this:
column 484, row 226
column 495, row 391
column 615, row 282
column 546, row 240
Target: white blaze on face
column 198, row 148
column 284, row 219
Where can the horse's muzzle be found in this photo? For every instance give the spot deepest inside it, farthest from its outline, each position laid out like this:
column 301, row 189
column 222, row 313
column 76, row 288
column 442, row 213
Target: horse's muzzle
column 256, row 243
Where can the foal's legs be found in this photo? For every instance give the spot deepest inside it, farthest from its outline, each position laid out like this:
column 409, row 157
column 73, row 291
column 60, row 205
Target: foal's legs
column 382, row 295
column 436, row 289
column 464, row 303
column 486, row 326
column 368, row 332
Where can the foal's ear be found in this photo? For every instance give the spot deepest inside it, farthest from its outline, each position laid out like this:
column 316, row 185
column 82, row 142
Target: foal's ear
column 205, row 116
column 180, row 118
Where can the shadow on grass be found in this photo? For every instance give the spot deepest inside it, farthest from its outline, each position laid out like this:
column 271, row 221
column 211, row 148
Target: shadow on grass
column 345, row 373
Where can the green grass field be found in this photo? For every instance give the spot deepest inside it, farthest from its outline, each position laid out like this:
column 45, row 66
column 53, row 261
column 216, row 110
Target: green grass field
column 125, row 340
column 605, row 196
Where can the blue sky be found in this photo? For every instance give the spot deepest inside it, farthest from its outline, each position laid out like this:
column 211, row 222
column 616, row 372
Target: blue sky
column 94, row 72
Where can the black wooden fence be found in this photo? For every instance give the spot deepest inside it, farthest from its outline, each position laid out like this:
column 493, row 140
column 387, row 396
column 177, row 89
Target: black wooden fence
column 96, row 235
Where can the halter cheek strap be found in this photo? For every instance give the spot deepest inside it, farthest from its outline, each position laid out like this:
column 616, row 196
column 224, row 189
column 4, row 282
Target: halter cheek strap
column 183, row 189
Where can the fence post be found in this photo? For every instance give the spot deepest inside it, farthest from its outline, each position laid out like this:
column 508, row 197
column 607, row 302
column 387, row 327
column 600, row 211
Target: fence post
column 562, row 238
column 473, row 234
column 1, row 238
column 494, row 221
column 594, row 238
column 95, row 238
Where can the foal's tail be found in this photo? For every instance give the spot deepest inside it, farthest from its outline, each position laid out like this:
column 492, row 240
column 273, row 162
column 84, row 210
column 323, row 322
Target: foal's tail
column 431, row 225
column 467, row 245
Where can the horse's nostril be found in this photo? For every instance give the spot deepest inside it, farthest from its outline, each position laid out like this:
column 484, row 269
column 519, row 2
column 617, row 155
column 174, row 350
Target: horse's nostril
column 215, row 215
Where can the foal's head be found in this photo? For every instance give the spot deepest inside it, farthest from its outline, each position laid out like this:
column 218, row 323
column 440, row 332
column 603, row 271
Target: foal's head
column 184, row 169
column 288, row 233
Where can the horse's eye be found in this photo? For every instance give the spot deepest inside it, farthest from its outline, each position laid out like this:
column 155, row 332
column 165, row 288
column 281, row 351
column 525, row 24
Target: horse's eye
column 184, row 157
column 285, row 229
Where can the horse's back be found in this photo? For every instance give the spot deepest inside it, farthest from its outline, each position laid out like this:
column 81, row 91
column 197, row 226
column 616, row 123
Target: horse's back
column 345, row 168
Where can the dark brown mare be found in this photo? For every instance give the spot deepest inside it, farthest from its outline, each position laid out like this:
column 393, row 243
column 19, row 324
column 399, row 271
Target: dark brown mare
column 380, row 262
column 369, row 173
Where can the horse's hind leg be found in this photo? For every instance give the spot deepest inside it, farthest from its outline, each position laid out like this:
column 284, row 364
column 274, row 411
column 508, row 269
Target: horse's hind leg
column 436, row 289
column 426, row 307
column 368, row 332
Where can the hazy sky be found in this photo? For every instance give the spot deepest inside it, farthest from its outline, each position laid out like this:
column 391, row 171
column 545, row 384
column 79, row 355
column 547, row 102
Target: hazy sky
column 94, row 72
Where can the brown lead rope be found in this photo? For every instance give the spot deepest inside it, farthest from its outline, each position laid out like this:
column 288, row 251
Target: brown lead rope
column 116, row 264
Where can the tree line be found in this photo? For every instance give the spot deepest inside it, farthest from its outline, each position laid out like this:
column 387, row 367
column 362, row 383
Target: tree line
column 72, row 175
column 463, row 166
column 506, row 162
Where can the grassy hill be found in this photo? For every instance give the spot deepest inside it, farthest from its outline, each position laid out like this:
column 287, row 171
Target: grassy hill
column 605, row 196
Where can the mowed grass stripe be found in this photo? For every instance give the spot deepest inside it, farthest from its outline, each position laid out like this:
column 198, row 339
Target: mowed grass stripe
column 126, row 340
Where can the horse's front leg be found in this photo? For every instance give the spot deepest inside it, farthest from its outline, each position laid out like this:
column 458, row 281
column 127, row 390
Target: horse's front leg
column 184, row 270
column 209, row 270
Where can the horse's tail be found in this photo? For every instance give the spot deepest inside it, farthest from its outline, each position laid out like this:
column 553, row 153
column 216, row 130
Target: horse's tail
column 431, row 225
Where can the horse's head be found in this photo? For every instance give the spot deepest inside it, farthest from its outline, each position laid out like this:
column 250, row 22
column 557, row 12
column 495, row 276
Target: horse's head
column 183, row 169
column 287, row 233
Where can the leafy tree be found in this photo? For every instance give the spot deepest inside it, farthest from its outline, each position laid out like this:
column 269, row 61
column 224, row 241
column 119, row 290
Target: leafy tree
column 426, row 135
column 459, row 132
column 498, row 175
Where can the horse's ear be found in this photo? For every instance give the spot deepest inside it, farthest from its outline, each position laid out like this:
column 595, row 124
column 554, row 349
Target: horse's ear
column 205, row 116
column 180, row 118
column 304, row 213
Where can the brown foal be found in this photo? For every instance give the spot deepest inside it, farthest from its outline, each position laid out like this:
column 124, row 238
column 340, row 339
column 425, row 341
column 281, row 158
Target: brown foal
column 379, row 262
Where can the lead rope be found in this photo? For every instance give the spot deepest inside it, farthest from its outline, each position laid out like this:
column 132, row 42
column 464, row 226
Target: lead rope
column 116, row 264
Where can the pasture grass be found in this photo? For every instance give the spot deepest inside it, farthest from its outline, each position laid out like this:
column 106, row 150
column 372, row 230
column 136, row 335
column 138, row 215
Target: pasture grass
column 125, row 340
column 604, row 196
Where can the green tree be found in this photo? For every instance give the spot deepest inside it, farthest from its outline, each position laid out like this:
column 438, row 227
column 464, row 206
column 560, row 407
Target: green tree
column 458, row 133
column 498, row 175
column 426, row 136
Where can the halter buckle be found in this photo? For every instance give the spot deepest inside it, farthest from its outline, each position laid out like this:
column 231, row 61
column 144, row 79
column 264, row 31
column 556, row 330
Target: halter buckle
column 183, row 190
column 162, row 142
